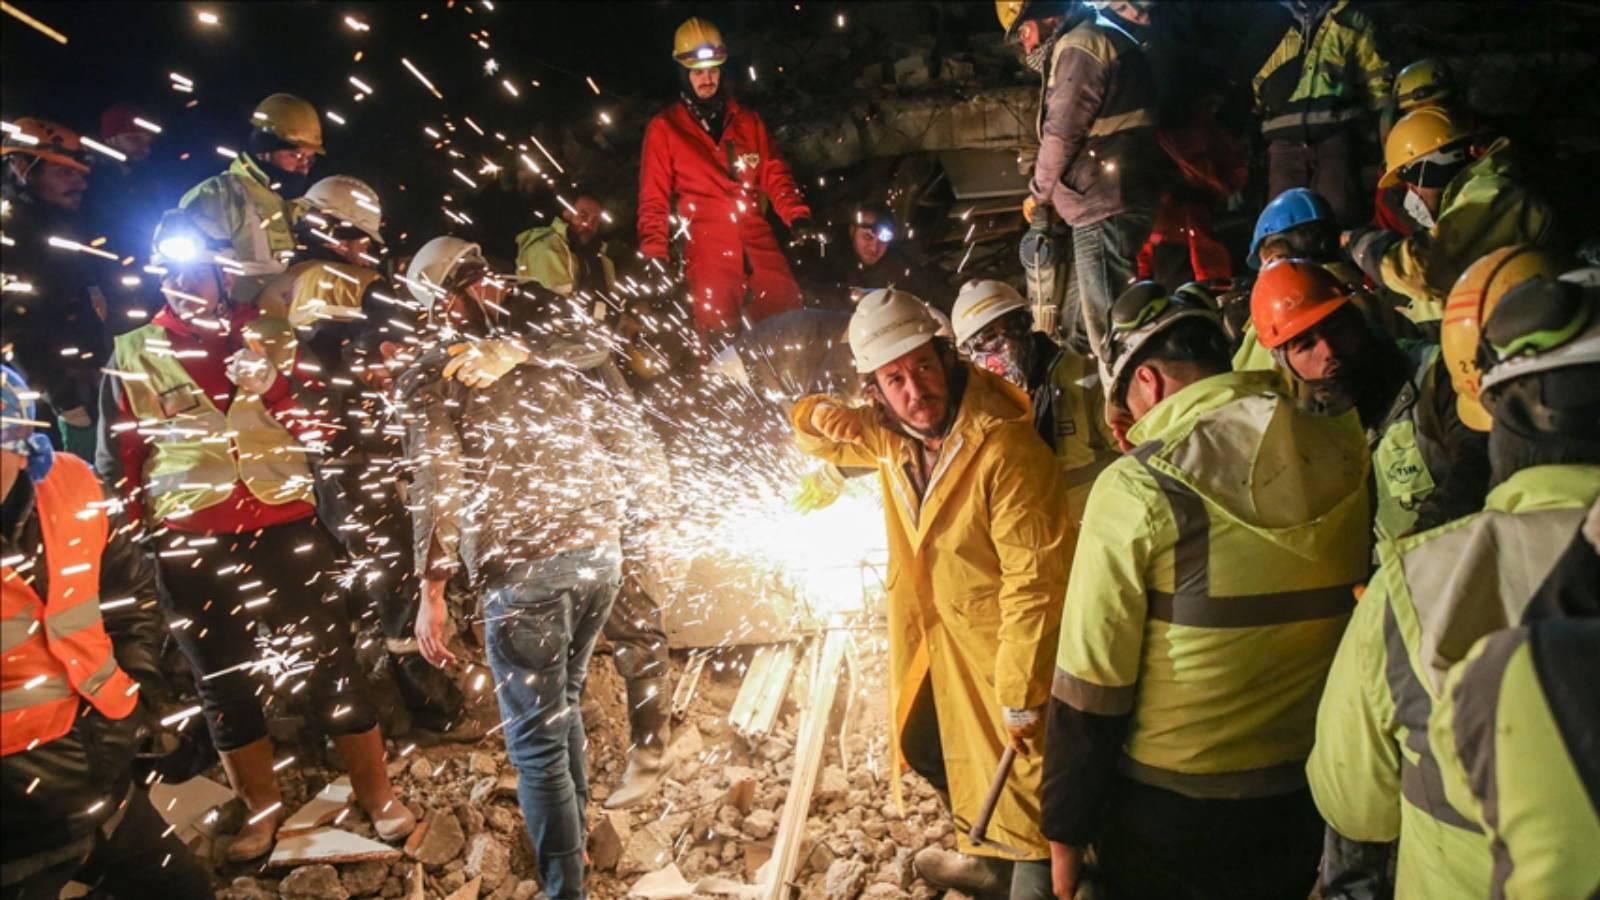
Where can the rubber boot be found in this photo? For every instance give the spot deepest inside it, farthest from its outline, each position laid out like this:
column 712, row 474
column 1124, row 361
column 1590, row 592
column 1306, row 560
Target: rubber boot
column 975, row 876
column 362, row 755
column 250, row 772
column 649, row 725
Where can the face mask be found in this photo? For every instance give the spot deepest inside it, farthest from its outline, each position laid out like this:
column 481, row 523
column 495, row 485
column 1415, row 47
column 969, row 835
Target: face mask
column 1035, row 61
column 1003, row 364
column 1418, row 210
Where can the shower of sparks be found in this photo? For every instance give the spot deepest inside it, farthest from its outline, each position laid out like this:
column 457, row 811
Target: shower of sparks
column 413, row 70
column 33, row 23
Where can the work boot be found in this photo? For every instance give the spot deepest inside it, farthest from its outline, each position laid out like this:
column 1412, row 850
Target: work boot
column 362, row 755
column 649, row 726
column 250, row 773
column 977, row 876
column 433, row 698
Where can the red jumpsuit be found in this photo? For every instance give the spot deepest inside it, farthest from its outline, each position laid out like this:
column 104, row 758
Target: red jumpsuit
column 718, row 189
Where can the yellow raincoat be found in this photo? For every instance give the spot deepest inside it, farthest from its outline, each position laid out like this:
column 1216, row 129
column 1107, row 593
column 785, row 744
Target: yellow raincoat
column 977, row 570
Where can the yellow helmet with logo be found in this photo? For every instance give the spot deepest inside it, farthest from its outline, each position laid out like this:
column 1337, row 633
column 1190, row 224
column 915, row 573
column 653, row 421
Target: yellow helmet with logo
column 698, row 45
column 1423, row 83
column 1427, row 134
column 292, row 120
column 1475, row 295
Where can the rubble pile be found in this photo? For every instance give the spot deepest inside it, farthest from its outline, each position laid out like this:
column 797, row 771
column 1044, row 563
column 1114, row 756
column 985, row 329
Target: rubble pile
column 717, row 815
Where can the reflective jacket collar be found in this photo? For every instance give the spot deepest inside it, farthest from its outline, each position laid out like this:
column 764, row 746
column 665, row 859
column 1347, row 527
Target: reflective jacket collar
column 245, row 167
column 1199, row 398
column 1496, row 162
column 1545, row 487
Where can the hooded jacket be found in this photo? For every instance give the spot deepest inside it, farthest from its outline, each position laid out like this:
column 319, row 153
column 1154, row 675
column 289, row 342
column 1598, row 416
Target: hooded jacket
column 257, row 220
column 1210, row 587
column 977, row 567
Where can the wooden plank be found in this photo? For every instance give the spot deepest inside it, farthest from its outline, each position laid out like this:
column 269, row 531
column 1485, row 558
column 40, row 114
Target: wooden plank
column 766, row 681
column 689, row 682
column 785, row 862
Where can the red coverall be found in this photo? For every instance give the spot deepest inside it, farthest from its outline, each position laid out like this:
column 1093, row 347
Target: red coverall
column 718, row 189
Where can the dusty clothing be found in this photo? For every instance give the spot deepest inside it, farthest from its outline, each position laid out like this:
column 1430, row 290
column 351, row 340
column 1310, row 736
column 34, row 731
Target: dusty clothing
column 722, row 187
column 977, row 568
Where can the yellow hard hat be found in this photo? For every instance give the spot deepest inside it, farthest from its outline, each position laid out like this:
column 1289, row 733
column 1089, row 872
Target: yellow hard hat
column 1423, row 83
column 1008, row 10
column 1427, row 134
column 291, row 119
column 1475, row 295
column 698, row 45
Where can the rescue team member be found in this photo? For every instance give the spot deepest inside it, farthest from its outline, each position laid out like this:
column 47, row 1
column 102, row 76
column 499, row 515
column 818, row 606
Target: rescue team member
column 1427, row 466
column 1207, row 597
column 710, row 160
column 1100, row 165
column 1475, row 200
column 1320, row 89
column 1374, row 771
column 202, row 435
column 875, row 258
column 979, row 545
column 249, row 199
column 79, row 676
column 994, row 331
column 546, row 551
column 567, row 256
column 1421, row 84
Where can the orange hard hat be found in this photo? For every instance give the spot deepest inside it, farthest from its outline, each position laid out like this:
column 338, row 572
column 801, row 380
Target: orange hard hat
column 1291, row 296
column 1475, row 295
column 46, row 140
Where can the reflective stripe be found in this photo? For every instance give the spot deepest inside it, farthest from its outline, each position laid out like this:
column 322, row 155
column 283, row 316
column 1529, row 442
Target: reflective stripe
column 1252, row 610
column 1311, row 117
column 15, row 630
column 1084, row 474
column 1139, row 118
column 1092, row 698
column 93, row 683
column 1420, row 782
column 1192, row 552
column 48, row 691
column 1272, row 781
column 67, row 622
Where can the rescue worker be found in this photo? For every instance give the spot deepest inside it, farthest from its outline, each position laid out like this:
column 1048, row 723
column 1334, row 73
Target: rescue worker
column 1210, row 586
column 1423, row 83
column 249, row 199
column 709, row 160
column 567, row 256
column 127, row 196
column 54, row 309
column 1374, row 771
column 81, row 681
column 1428, row 467
column 1100, row 165
column 1318, row 93
column 994, row 331
column 877, row 259
column 544, row 552
column 1514, row 730
column 1475, row 200
column 979, row 544
column 203, row 437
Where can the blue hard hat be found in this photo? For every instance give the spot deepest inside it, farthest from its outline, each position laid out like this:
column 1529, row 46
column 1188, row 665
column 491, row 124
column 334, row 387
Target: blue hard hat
column 1296, row 206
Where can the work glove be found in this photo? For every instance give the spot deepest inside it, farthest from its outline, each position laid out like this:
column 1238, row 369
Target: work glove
column 837, row 423
column 251, row 371
column 77, row 417
column 1037, row 214
column 1022, row 725
column 818, row 490
column 481, row 363
column 1037, row 250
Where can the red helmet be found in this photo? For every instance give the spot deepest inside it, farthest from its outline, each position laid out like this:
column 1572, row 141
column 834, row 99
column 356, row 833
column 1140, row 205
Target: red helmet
column 1291, row 296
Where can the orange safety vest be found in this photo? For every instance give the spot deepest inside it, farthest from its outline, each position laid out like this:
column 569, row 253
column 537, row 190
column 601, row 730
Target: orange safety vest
column 55, row 652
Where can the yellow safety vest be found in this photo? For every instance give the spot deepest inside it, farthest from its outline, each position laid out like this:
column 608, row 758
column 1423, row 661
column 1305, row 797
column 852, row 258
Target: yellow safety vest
column 197, row 452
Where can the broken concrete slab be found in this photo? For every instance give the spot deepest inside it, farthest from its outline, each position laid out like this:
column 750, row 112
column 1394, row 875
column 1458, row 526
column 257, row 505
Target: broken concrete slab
column 327, row 845
column 844, row 879
column 319, row 882
column 488, row 860
column 468, row 891
column 666, row 883
column 440, row 842
column 607, row 840
column 185, row 804
column 323, row 809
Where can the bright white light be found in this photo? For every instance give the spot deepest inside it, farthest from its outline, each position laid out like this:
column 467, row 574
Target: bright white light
column 178, row 248
column 147, row 125
column 207, row 17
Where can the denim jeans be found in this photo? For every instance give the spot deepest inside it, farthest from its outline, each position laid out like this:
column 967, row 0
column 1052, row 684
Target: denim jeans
column 1105, row 255
column 541, row 622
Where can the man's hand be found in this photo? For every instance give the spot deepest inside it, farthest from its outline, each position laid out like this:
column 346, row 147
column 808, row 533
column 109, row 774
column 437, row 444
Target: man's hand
column 837, row 423
column 252, row 372
column 818, row 490
column 1066, row 870
column 432, row 617
column 1022, row 725
column 482, row 363
column 801, row 231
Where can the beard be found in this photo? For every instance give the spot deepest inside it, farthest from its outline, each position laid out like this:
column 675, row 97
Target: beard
column 1331, row 397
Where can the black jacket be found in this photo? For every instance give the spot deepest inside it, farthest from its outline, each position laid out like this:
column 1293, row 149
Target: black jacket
column 60, row 792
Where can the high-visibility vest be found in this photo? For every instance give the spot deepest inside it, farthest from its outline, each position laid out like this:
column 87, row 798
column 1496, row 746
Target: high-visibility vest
column 197, row 452
column 259, row 222
column 317, row 290
column 56, row 651
column 1310, row 89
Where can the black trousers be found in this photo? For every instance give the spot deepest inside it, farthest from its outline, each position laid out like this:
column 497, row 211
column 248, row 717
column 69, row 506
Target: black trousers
column 919, row 740
column 635, row 630
column 1162, row 845
column 215, row 590
column 139, row 859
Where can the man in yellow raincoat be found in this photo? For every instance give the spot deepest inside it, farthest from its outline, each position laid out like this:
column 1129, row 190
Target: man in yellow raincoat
column 979, row 547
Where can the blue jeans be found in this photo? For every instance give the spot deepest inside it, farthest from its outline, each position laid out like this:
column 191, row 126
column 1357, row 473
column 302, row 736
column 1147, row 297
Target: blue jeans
column 541, row 623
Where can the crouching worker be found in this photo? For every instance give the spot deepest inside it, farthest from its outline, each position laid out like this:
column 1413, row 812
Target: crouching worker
column 979, row 546
column 78, row 678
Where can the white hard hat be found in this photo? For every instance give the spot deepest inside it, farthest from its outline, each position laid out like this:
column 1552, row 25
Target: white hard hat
column 887, row 325
column 980, row 302
column 429, row 274
column 349, row 200
column 1549, row 347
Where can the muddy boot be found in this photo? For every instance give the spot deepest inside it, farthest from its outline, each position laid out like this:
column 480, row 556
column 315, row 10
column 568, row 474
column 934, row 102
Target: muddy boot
column 250, row 772
column 649, row 722
column 362, row 755
column 976, row 876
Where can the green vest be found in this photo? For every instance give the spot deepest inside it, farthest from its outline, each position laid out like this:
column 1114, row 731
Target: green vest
column 1408, row 456
column 197, row 452
column 1083, row 442
column 255, row 218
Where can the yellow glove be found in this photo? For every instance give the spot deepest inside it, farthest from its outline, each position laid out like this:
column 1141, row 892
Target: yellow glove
column 818, row 490
column 837, row 423
column 482, row 363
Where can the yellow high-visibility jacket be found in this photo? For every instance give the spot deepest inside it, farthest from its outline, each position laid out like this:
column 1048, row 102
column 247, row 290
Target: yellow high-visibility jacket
column 241, row 201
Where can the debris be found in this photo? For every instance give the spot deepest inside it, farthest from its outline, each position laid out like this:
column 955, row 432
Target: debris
column 328, row 845
column 832, row 784
column 417, row 882
column 808, row 759
column 910, row 71
column 687, row 744
column 482, row 764
column 662, row 884
column 844, row 878
column 320, row 882
column 742, row 795
column 644, row 851
column 322, row 810
column 183, row 805
column 468, row 891
column 606, row 840
column 760, row 824
column 766, row 681
column 688, row 682
column 365, row 878
column 441, row 842
column 488, row 860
